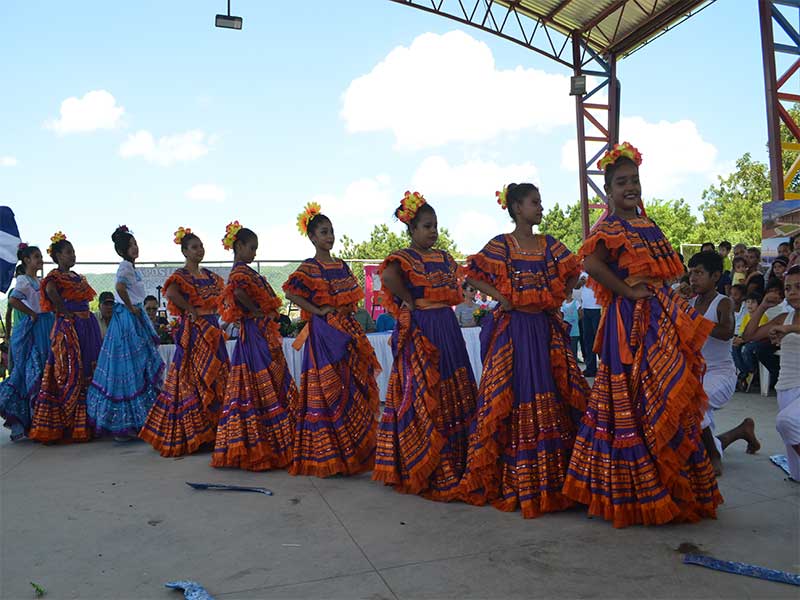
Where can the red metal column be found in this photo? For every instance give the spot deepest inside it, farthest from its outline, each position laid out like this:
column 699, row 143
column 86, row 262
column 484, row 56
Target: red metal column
column 771, row 90
column 583, row 174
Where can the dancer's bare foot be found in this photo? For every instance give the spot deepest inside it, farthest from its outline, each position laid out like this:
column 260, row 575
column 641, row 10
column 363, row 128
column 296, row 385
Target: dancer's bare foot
column 746, row 430
column 749, row 428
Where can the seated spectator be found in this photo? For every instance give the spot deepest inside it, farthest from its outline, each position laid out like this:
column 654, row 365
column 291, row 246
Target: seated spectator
column 784, row 250
column 739, row 270
column 364, row 319
column 571, row 317
column 778, row 268
column 724, row 250
column 105, row 311
column 151, row 308
column 744, row 354
column 737, row 296
column 753, row 257
column 739, row 250
column 724, row 284
column 756, row 286
column 684, row 288
column 465, row 310
column 707, row 247
column 385, row 322
column 772, row 304
column 794, row 257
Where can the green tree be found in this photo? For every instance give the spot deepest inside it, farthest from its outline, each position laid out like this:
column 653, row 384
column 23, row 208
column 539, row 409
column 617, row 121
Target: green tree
column 675, row 219
column 382, row 242
column 732, row 208
column 566, row 226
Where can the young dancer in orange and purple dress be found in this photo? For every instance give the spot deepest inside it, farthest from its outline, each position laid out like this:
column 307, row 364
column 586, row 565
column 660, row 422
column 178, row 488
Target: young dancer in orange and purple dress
column 422, row 437
column 532, row 393
column 339, row 400
column 639, row 456
column 59, row 413
column 256, row 429
column 185, row 414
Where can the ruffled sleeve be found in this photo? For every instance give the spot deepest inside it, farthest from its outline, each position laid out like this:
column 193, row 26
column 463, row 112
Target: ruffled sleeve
column 255, row 286
column 638, row 247
column 72, row 287
column 205, row 298
column 23, row 290
column 431, row 276
column 306, row 282
column 490, row 265
column 566, row 266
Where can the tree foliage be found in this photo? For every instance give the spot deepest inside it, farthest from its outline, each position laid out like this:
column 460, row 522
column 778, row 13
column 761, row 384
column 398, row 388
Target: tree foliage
column 732, row 208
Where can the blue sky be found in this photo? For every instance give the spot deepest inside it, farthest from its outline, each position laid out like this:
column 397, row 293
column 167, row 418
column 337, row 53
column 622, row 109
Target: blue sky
column 344, row 102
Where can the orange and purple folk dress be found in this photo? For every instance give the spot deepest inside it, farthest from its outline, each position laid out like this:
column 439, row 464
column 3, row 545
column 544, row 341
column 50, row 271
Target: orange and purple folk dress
column 336, row 414
column 638, row 457
column 532, row 394
column 256, row 429
column 185, row 414
column 59, row 411
column 422, row 437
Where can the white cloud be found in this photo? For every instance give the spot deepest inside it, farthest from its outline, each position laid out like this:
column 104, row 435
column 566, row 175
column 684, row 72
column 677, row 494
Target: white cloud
column 168, row 149
column 671, row 151
column 206, row 192
column 436, row 177
column 282, row 241
column 8, row 161
column 473, row 228
column 445, row 88
column 97, row 109
column 363, row 200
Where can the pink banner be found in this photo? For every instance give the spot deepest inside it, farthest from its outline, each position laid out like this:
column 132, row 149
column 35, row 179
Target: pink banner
column 372, row 288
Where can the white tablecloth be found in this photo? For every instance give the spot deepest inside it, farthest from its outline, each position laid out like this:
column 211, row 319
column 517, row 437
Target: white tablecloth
column 379, row 341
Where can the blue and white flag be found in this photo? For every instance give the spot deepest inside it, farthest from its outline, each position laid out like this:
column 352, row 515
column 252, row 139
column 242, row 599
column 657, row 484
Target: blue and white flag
column 9, row 244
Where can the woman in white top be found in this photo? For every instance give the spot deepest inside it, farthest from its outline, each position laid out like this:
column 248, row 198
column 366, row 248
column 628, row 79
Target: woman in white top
column 128, row 375
column 30, row 344
column 784, row 330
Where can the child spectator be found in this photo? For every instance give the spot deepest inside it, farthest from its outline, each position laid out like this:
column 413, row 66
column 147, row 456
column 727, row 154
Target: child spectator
column 739, row 270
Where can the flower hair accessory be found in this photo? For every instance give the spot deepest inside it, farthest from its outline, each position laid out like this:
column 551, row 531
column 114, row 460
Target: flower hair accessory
column 124, row 229
column 22, row 246
column 502, row 197
column 58, row 236
column 625, row 149
column 311, row 210
column 409, row 207
column 180, row 234
column 230, row 235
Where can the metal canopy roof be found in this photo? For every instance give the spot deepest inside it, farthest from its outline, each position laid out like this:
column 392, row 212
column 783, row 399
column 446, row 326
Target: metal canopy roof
column 608, row 26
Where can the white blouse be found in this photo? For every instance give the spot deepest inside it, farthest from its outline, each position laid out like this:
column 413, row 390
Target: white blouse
column 127, row 274
column 789, row 376
column 27, row 291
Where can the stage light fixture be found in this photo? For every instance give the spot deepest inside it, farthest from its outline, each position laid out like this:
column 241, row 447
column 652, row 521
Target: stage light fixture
column 577, row 85
column 228, row 21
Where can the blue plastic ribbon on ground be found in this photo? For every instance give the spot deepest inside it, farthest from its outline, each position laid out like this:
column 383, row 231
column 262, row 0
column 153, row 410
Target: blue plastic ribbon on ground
column 780, row 460
column 742, row 569
column 191, row 590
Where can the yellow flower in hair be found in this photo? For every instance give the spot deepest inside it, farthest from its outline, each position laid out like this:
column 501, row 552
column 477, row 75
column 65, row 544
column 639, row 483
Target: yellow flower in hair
column 230, row 235
column 625, row 149
column 311, row 210
column 502, row 197
column 181, row 233
column 409, row 206
column 58, row 236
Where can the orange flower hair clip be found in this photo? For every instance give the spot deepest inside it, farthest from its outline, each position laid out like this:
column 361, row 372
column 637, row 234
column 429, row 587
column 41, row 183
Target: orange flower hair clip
column 502, row 197
column 311, row 210
column 230, row 235
column 625, row 149
column 409, row 207
column 180, row 234
column 58, row 236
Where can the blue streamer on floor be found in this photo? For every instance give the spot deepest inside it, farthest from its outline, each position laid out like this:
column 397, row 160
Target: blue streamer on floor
column 191, row 590
column 742, row 569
